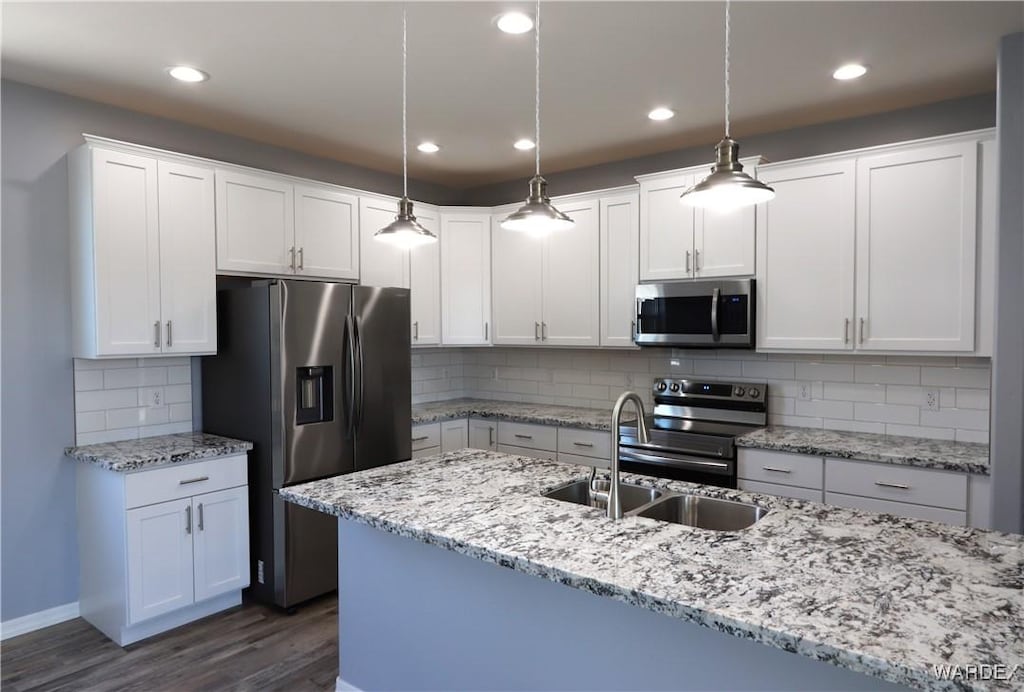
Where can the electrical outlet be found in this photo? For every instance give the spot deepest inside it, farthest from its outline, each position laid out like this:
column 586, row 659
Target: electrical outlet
column 156, row 398
column 931, row 399
column 805, row 391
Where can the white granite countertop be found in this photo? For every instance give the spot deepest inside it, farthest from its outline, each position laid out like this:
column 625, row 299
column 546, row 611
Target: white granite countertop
column 132, row 455
column 882, row 595
column 971, row 457
column 542, row 414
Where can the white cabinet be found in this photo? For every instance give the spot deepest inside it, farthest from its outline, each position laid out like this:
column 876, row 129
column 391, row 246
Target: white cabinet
column 546, row 290
column 620, row 238
column 255, row 223
column 429, row 439
column 326, row 233
column 805, row 257
column 454, row 435
column 587, row 447
column 381, row 264
column 142, row 262
column 483, row 434
column 678, row 241
column 916, row 240
column 465, row 276
column 161, row 547
column 425, row 282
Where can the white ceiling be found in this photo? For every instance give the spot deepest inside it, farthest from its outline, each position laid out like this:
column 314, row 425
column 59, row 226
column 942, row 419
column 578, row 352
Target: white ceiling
column 324, row 77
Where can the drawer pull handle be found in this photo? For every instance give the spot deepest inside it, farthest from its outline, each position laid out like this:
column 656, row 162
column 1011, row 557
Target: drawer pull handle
column 421, row 438
column 200, row 516
column 194, row 480
column 584, row 444
column 899, row 486
column 776, row 469
column 524, row 437
column 188, row 518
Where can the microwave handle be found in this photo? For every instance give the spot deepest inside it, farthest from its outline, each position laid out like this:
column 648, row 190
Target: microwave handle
column 636, row 324
column 714, row 314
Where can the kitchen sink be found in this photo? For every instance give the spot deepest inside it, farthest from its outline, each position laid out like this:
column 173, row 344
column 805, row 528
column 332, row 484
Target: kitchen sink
column 630, row 496
column 705, row 512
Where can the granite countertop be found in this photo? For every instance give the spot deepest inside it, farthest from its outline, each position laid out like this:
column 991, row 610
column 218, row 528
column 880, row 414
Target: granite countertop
column 971, row 457
column 542, row 414
column 146, row 452
column 877, row 594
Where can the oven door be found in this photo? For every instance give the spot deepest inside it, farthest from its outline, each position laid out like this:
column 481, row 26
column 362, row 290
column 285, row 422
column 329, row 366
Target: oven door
column 703, row 314
column 661, row 463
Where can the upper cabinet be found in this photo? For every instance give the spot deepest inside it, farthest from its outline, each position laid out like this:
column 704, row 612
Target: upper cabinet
column 546, row 289
column 873, row 252
column 425, row 281
column 268, row 225
column 465, row 276
column 620, row 237
column 382, row 264
column 678, row 241
column 142, row 254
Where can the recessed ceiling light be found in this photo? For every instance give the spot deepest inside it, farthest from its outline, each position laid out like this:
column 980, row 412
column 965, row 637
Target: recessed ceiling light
column 849, row 71
column 184, row 73
column 661, row 114
column 524, row 144
column 515, row 23
column 428, row 148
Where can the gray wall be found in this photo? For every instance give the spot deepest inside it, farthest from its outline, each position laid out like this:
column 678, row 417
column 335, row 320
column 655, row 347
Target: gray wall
column 1008, row 360
column 39, row 547
column 945, row 117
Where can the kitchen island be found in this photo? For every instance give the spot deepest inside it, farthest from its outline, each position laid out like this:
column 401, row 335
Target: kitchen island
column 809, row 597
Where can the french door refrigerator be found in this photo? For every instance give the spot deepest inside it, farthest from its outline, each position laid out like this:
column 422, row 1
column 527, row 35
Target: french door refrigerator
column 317, row 376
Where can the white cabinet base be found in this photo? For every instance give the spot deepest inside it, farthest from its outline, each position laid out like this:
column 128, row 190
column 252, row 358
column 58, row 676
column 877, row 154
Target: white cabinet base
column 148, row 628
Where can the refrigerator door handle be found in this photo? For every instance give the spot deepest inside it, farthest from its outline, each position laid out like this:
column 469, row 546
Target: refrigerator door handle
column 358, row 394
column 350, row 386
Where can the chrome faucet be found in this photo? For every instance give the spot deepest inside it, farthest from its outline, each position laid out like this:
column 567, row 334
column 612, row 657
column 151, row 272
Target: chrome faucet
column 614, row 504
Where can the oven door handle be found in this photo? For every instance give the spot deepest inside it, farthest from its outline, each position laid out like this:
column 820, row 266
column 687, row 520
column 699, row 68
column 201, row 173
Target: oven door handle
column 680, row 462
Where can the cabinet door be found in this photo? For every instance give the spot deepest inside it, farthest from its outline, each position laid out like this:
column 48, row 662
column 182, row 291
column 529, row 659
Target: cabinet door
column 188, row 259
column 454, row 435
column 666, row 229
column 126, row 253
column 326, row 233
column 255, row 223
column 517, row 261
column 465, row 278
column 380, row 263
column 221, row 541
column 620, row 237
column 425, row 283
column 724, row 242
column 805, row 257
column 483, row 434
column 159, row 559
column 916, row 239
column 572, row 312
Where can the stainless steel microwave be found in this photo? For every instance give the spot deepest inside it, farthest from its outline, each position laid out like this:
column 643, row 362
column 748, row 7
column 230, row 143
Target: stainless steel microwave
column 696, row 314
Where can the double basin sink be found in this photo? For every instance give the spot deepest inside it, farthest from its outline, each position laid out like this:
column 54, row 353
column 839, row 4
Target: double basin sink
column 663, row 505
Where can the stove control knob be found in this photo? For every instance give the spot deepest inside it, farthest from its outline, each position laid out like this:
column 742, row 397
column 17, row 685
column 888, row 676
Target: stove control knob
column 739, row 391
column 675, row 387
column 662, row 386
column 754, row 392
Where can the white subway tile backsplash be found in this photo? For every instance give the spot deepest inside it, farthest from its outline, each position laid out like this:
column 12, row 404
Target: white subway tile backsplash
column 843, row 391
column 178, row 413
column 525, row 387
column 968, row 419
column 904, row 394
column 831, row 372
column 973, row 398
column 854, row 425
column 91, row 438
column 165, row 429
column 782, row 406
column 919, row 431
column 86, row 380
column 887, row 413
column 887, row 374
column 104, row 399
column 163, row 362
column 106, row 364
column 797, row 421
column 592, row 391
column 612, row 379
column 972, row 436
column 177, row 393
column 90, row 421
column 768, row 369
column 824, row 408
column 179, row 374
column 581, row 376
column 718, row 368
column 975, row 378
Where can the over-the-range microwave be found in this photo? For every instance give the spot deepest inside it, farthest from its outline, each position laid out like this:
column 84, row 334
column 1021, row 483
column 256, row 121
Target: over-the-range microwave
column 696, row 314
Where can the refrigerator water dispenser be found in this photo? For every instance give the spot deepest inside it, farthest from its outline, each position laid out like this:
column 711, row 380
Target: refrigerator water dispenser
column 314, row 394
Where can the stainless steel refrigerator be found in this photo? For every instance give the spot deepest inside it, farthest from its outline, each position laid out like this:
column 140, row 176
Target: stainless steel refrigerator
column 317, row 376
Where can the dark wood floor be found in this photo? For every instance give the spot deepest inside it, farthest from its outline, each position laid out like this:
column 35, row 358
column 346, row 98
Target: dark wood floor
column 251, row 647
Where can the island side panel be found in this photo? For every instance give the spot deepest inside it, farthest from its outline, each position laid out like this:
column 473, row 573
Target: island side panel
column 414, row 616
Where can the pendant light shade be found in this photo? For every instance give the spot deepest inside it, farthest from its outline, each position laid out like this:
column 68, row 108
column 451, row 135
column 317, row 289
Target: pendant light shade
column 537, row 216
column 727, row 187
column 405, row 231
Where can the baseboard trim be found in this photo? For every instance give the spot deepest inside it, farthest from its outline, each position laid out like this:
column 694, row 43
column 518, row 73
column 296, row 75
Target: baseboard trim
column 342, row 686
column 37, row 621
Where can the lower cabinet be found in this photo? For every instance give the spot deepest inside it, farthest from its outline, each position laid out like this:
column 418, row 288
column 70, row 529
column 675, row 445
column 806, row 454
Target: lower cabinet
column 162, row 547
column 483, row 434
column 429, row 439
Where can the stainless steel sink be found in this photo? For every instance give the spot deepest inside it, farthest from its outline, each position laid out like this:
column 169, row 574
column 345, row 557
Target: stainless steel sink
column 705, row 512
column 631, row 496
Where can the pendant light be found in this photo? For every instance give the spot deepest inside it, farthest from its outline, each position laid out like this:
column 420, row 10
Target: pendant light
column 727, row 187
column 405, row 231
column 537, row 216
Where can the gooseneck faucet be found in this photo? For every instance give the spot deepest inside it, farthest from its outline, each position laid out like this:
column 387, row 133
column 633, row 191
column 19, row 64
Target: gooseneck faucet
column 643, row 436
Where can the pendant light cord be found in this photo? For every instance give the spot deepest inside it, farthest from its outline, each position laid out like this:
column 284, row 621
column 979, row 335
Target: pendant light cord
column 536, row 112
column 405, row 143
column 727, row 128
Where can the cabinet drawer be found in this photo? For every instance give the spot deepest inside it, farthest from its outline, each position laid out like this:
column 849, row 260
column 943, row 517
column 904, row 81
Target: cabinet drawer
column 528, row 435
column 588, row 443
column 901, row 509
column 527, row 452
column 427, row 435
column 583, row 461
column 783, row 468
column 811, row 494
column 897, row 483
column 184, row 480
